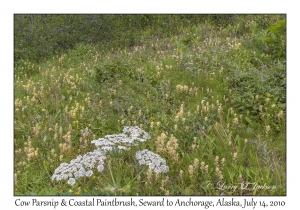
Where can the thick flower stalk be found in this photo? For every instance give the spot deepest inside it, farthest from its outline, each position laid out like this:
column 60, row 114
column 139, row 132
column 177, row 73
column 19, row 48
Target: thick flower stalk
column 83, row 166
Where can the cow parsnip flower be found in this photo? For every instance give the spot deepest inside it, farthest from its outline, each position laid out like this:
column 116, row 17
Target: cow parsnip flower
column 71, row 181
column 154, row 161
column 80, row 166
column 131, row 135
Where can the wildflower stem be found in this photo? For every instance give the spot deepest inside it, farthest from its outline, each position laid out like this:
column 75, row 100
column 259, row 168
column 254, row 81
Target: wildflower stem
column 124, row 187
column 106, row 179
column 112, row 176
column 118, row 176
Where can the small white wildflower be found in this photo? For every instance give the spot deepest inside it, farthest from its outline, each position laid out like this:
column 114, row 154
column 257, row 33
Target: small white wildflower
column 106, row 148
column 165, row 168
column 157, row 170
column 71, row 181
column 89, row 173
column 135, row 131
column 122, row 147
column 100, row 168
column 151, row 166
column 138, row 155
column 142, row 162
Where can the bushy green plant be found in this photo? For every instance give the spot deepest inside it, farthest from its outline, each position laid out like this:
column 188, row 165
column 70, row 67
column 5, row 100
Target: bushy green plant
column 276, row 39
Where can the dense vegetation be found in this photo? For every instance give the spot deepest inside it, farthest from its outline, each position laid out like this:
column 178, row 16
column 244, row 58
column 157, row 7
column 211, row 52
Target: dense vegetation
column 209, row 89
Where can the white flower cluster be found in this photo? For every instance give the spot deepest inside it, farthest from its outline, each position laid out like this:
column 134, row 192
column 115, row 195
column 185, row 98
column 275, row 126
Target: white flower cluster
column 80, row 167
column 136, row 132
column 131, row 136
column 153, row 160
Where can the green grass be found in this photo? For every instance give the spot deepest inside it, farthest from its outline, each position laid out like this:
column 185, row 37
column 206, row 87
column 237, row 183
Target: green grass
column 231, row 118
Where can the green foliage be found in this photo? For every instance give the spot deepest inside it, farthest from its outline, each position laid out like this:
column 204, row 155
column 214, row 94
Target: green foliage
column 276, row 39
column 271, row 41
column 40, row 36
column 247, row 84
column 116, row 70
column 222, row 20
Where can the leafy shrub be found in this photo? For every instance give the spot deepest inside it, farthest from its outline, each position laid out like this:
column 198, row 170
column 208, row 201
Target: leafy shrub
column 248, row 84
column 276, row 39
